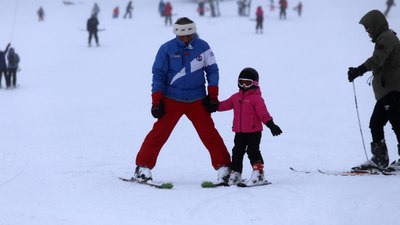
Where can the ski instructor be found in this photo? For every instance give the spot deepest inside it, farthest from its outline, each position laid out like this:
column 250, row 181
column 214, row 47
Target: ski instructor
column 183, row 67
column 385, row 66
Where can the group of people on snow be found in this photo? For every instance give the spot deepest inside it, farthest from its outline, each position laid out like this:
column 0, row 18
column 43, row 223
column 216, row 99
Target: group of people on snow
column 282, row 13
column 178, row 89
column 9, row 66
column 180, row 71
column 128, row 11
column 185, row 82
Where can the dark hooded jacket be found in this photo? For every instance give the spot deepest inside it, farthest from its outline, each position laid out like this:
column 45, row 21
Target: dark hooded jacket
column 13, row 59
column 385, row 60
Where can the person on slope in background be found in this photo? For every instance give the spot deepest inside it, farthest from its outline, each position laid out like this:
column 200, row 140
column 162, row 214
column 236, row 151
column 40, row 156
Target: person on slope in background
column 161, row 8
column 13, row 62
column 283, row 4
column 95, row 9
column 259, row 19
column 168, row 13
column 299, row 8
column 385, row 66
column 128, row 11
column 91, row 27
column 40, row 14
column 201, row 8
column 389, row 4
column 249, row 113
column 180, row 71
column 3, row 65
column 115, row 13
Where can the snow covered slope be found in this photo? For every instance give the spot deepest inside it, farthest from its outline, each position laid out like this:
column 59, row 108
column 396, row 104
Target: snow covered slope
column 80, row 114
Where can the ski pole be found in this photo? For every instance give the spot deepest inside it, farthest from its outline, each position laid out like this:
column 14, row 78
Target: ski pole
column 14, row 20
column 359, row 122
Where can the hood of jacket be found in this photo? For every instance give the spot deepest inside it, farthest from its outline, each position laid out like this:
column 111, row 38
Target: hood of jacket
column 375, row 23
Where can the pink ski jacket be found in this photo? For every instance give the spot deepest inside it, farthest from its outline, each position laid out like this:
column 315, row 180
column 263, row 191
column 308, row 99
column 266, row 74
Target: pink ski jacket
column 249, row 111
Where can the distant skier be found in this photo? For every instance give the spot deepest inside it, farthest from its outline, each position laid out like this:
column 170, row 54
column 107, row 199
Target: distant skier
column 389, row 4
column 259, row 19
column 115, row 13
column 92, row 28
column 249, row 115
column 283, row 4
column 13, row 62
column 168, row 14
column 161, row 8
column 128, row 11
column 271, row 5
column 299, row 8
column 183, row 71
column 3, row 65
column 40, row 14
column 242, row 7
column 201, row 8
column 385, row 66
column 212, row 8
column 95, row 9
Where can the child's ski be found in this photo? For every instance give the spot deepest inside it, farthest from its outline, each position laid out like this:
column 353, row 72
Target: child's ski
column 243, row 185
column 166, row 185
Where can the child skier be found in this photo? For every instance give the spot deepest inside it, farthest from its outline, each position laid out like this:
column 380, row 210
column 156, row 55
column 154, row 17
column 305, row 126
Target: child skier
column 250, row 112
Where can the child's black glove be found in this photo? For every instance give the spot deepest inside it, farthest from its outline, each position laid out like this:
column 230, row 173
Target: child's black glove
column 275, row 130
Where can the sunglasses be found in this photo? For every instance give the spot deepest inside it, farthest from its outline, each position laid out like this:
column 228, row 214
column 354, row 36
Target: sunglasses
column 245, row 83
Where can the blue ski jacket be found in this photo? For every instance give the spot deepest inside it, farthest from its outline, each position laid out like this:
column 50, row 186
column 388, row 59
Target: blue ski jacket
column 180, row 71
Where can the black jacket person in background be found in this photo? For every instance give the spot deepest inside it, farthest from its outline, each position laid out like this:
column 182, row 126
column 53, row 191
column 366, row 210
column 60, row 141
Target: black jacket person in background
column 385, row 66
column 91, row 27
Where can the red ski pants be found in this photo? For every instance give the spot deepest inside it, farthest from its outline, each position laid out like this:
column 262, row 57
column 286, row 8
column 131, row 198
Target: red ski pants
column 162, row 128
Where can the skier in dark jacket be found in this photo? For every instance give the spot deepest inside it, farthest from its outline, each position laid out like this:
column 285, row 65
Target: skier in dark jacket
column 128, row 11
column 3, row 65
column 40, row 14
column 13, row 62
column 91, row 27
column 385, row 66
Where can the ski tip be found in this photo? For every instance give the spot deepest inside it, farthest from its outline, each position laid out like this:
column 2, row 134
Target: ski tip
column 167, row 185
column 209, row 184
column 206, row 184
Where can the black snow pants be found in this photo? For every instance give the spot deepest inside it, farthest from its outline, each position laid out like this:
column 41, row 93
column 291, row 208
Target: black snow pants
column 12, row 74
column 386, row 109
column 246, row 142
column 91, row 35
column 4, row 71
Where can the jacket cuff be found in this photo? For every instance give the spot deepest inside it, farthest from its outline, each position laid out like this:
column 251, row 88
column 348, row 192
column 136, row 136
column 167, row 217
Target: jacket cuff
column 213, row 91
column 157, row 96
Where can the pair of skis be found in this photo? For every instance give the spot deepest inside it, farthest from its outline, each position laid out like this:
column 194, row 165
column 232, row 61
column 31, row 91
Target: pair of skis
column 243, row 184
column 204, row 184
column 374, row 171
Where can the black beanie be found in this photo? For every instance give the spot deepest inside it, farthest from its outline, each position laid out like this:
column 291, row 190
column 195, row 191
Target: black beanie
column 249, row 73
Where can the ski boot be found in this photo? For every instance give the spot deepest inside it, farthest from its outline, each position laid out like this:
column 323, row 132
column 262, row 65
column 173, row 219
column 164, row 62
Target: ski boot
column 395, row 165
column 379, row 159
column 257, row 176
column 223, row 174
column 234, row 178
column 142, row 174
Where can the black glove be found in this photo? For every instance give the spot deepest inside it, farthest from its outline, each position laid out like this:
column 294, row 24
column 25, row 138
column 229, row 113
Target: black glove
column 275, row 130
column 353, row 72
column 211, row 104
column 157, row 109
